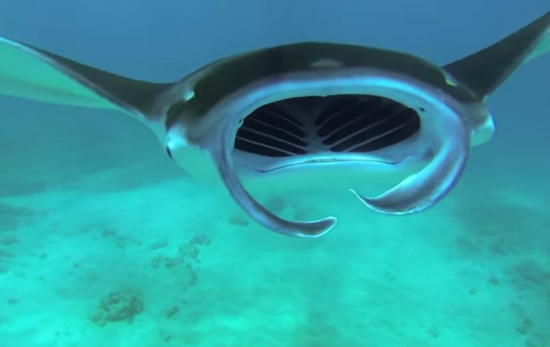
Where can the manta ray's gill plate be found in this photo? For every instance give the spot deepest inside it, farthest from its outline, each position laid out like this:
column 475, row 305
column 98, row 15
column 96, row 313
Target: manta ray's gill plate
column 273, row 132
column 337, row 124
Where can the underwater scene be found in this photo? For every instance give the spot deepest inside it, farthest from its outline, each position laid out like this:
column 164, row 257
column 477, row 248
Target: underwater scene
column 150, row 199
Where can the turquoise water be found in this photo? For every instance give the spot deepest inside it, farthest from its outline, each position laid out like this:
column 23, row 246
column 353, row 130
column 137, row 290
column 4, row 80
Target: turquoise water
column 105, row 242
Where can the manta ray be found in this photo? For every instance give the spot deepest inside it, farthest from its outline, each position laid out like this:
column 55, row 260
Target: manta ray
column 314, row 116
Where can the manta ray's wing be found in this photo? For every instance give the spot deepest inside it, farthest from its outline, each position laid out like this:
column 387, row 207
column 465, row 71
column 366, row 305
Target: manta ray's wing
column 543, row 47
column 485, row 70
column 35, row 74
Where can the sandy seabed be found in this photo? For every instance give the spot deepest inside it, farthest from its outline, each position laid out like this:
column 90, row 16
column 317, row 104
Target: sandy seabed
column 100, row 261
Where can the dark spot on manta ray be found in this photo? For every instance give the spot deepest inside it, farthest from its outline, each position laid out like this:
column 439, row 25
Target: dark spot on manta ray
column 168, row 152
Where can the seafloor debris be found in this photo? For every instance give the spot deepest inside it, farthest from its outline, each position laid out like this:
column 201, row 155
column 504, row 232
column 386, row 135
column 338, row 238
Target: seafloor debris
column 117, row 307
column 4, row 257
column 187, row 254
column 8, row 240
column 171, row 312
column 11, row 217
column 191, row 250
column 183, row 262
column 157, row 244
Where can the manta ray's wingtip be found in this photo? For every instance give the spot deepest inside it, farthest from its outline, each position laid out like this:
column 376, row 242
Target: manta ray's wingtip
column 483, row 72
column 32, row 73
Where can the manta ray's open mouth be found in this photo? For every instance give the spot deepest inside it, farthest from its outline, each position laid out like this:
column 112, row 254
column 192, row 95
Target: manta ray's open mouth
column 342, row 123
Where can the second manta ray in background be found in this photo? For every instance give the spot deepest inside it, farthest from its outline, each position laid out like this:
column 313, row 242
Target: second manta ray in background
column 316, row 116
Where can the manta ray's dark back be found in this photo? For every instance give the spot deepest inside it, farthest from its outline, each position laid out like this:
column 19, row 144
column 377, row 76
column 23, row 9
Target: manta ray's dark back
column 486, row 69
